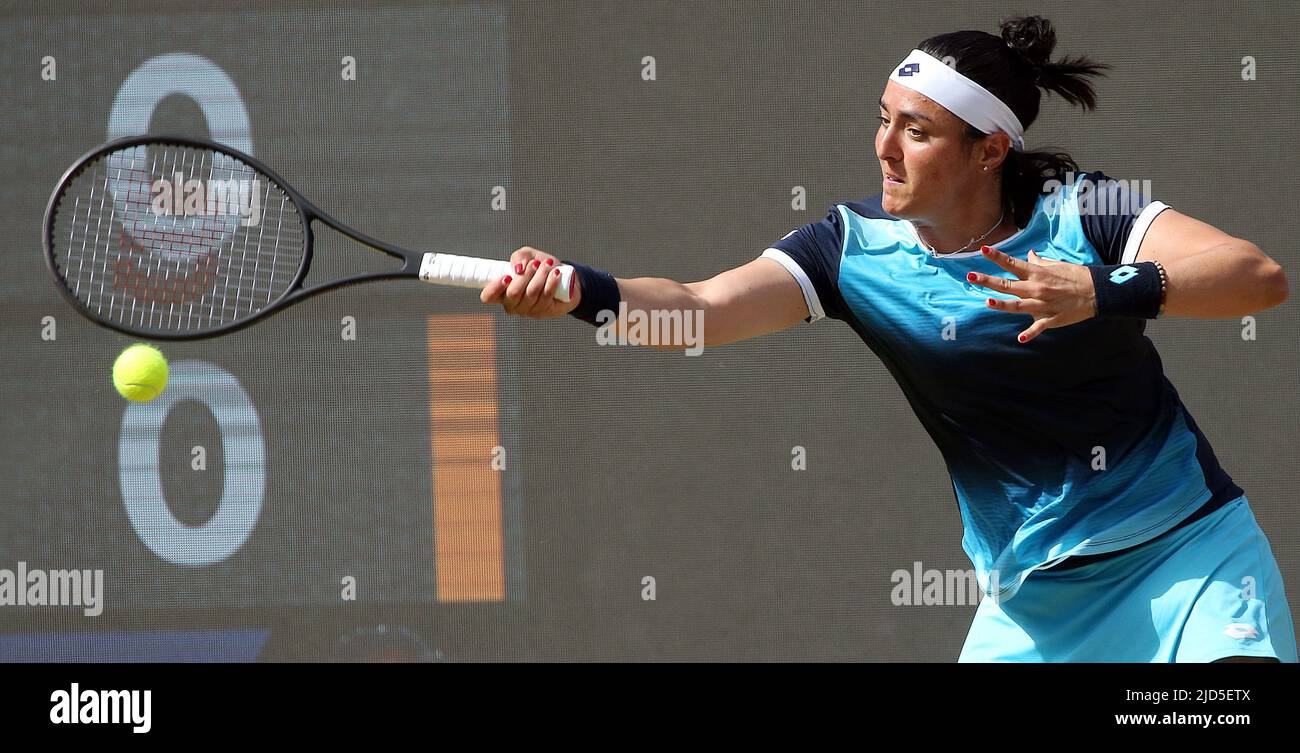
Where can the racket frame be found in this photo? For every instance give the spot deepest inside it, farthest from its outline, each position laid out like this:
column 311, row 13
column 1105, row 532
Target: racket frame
column 293, row 294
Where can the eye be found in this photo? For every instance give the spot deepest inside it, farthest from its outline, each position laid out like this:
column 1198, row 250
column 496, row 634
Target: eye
column 916, row 133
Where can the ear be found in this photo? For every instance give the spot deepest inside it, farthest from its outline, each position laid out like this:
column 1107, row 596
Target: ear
column 994, row 149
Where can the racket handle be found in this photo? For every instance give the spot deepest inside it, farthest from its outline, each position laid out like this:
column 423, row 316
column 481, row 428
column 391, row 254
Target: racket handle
column 473, row 272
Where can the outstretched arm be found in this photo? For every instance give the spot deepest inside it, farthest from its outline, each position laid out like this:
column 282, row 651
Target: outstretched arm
column 751, row 300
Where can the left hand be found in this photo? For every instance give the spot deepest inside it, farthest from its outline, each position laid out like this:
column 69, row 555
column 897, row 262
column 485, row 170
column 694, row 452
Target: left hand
column 1056, row 293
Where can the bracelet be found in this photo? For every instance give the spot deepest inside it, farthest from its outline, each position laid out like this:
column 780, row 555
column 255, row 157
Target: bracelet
column 1164, row 286
column 599, row 293
column 1130, row 290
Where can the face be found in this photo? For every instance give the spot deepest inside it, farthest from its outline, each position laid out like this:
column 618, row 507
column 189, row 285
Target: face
column 921, row 143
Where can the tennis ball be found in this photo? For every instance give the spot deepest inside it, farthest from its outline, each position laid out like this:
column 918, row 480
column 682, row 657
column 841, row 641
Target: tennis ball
column 140, row 373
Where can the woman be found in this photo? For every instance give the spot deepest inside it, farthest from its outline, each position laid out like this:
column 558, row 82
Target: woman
column 1099, row 522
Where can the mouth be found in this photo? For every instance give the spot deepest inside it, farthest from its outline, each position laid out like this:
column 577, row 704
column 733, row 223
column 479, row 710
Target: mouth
column 891, row 179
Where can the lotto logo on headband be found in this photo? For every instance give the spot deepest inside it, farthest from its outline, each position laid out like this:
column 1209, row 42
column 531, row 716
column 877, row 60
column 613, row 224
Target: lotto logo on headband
column 909, row 69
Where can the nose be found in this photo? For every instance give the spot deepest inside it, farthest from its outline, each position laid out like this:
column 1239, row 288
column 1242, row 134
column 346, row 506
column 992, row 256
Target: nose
column 887, row 147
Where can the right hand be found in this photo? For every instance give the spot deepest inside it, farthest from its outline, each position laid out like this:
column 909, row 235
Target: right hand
column 529, row 290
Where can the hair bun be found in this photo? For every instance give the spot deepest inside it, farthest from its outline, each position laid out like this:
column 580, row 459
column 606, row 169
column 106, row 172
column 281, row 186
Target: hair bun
column 1032, row 37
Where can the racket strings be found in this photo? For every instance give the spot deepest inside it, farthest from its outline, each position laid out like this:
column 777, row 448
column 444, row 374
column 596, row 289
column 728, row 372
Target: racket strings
column 172, row 239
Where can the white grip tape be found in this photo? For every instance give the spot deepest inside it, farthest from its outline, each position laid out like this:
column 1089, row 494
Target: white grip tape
column 473, row 272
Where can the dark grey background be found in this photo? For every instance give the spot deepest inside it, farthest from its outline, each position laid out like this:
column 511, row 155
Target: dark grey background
column 628, row 463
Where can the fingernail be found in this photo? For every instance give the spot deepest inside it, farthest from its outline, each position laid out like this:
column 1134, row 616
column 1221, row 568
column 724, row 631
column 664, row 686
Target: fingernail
column 989, row 301
column 970, row 277
column 555, row 273
column 986, row 249
column 1021, row 338
column 506, row 280
column 519, row 268
column 550, row 262
column 536, row 264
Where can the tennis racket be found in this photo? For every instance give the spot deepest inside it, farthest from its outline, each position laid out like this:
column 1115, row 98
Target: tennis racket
column 176, row 238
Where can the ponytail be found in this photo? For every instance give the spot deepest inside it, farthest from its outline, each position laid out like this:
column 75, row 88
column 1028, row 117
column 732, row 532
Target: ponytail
column 1014, row 68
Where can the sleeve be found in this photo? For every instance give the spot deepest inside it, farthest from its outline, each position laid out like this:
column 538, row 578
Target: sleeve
column 1115, row 217
column 811, row 254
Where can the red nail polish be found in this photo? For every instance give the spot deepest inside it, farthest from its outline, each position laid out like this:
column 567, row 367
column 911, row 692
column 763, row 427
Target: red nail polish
column 970, row 277
column 555, row 273
column 1021, row 338
column 506, row 280
column 519, row 268
column 990, row 302
column 536, row 264
column 550, row 262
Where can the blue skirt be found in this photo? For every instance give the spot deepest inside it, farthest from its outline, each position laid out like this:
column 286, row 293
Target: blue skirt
column 1206, row 591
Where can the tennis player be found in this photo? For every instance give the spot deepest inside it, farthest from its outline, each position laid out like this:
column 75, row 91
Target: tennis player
column 1009, row 300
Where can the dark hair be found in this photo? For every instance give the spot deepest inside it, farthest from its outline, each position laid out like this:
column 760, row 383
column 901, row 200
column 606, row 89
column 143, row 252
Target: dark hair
column 1013, row 68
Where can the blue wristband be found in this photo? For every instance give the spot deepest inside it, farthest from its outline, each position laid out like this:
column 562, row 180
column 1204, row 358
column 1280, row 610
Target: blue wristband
column 1133, row 290
column 599, row 293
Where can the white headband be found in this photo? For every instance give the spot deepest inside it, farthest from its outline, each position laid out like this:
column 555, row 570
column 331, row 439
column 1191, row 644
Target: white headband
column 926, row 74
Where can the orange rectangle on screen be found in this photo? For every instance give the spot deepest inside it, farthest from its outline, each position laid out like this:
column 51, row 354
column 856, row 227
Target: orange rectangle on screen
column 468, row 531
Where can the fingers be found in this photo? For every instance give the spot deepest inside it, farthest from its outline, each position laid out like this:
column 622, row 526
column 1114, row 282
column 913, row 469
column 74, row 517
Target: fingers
column 1029, row 306
column 1053, row 297
column 528, row 288
column 1036, row 329
column 1020, row 268
column 533, row 304
column 541, row 268
column 1016, row 305
column 515, row 288
column 524, row 254
column 527, row 254
column 1011, row 264
column 552, row 282
column 1003, row 284
column 523, row 295
column 496, row 291
column 493, row 290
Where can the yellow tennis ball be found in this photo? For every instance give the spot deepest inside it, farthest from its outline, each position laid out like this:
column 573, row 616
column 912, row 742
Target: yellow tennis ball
column 140, row 373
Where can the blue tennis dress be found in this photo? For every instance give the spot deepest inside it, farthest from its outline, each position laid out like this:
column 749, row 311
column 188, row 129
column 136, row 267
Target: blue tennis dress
column 1096, row 515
